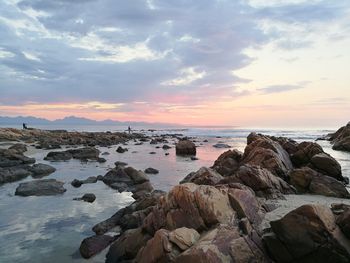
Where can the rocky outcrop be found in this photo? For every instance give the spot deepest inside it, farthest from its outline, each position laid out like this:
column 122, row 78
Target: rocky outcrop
column 307, row 234
column 341, row 138
column 307, row 180
column 185, row 147
column 193, row 223
column 40, row 187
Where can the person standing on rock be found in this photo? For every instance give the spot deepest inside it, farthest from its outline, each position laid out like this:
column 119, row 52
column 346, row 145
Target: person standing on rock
column 129, row 130
column 25, row 126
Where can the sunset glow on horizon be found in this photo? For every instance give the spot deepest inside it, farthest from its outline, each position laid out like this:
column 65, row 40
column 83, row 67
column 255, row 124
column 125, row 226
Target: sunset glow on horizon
column 237, row 63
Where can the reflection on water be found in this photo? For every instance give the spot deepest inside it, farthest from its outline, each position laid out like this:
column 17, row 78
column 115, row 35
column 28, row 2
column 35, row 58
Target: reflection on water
column 50, row 229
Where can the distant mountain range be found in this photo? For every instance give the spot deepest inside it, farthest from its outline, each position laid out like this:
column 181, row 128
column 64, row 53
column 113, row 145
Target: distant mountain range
column 72, row 120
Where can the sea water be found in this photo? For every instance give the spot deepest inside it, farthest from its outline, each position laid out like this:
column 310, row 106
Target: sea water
column 50, row 228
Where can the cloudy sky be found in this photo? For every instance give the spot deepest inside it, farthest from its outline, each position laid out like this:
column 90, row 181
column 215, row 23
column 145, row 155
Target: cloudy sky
column 257, row 63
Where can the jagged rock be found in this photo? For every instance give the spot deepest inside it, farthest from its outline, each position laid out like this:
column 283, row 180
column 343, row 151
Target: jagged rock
column 40, row 170
column 184, row 237
column 158, row 249
column 228, row 162
column 93, row 245
column 261, row 180
column 308, row 234
column 40, row 187
column 267, row 153
column 204, row 175
column 304, row 153
column 185, row 147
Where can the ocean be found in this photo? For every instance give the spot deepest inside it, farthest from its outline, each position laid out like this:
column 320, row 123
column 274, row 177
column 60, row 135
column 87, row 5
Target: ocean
column 50, row 228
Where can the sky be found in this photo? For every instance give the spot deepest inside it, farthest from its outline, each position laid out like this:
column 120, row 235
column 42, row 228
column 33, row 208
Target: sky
column 251, row 63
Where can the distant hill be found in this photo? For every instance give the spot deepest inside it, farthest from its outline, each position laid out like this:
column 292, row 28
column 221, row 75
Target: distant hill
column 72, row 120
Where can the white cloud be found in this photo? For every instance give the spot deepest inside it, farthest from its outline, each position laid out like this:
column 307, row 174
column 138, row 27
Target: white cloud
column 187, row 76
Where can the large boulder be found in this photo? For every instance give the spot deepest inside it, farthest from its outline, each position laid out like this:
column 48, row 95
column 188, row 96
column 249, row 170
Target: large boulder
column 326, row 164
column 40, row 187
column 204, row 175
column 228, row 162
column 343, row 221
column 307, row 180
column 262, row 181
column 267, row 153
column 86, row 153
column 308, row 234
column 93, row 245
column 12, row 174
column 304, row 153
column 184, row 237
column 185, row 147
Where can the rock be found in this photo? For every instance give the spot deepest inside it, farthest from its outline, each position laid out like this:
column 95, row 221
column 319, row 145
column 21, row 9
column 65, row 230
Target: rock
column 307, row 180
column 184, row 237
column 204, row 175
column 151, row 170
column 40, row 170
column 105, row 153
column 121, row 150
column 228, row 162
column 304, row 153
column 90, row 198
column 185, row 147
column 194, row 158
column 89, row 180
column 309, row 234
column 19, row 148
column 12, row 174
column 152, row 152
column 93, row 245
column 269, row 154
column 327, row 165
column 166, row 147
column 40, row 187
column 118, row 163
column 166, row 154
column 127, row 245
column 223, row 244
column 221, row 145
column 86, row 153
column 158, row 249
column 261, row 180
column 343, row 221
column 341, row 138
column 58, row 156
column 11, row 158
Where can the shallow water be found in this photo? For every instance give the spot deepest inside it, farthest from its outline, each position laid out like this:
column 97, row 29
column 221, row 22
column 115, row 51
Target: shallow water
column 50, row 229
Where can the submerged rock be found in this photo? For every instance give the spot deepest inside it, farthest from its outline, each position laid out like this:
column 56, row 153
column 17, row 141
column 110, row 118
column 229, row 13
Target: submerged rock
column 90, row 198
column 40, row 187
column 221, row 145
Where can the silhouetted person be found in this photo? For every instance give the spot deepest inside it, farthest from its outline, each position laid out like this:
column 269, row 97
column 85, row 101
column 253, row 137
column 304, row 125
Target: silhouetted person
column 25, row 126
column 129, row 129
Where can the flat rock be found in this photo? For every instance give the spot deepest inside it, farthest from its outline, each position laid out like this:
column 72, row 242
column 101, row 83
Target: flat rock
column 40, row 187
column 41, row 169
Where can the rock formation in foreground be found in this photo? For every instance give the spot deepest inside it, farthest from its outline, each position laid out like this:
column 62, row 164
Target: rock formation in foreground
column 215, row 214
column 341, row 138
